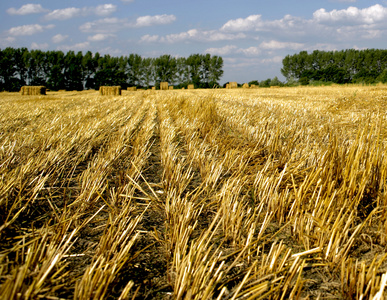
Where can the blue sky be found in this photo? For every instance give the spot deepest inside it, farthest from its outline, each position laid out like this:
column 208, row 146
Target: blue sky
column 252, row 36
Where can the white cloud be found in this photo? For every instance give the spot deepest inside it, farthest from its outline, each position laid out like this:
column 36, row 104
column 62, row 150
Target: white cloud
column 251, row 51
column 104, row 9
column 99, row 37
column 106, row 25
column 226, row 50
column 29, row 29
column 72, row 12
column 59, row 38
column 274, row 45
column 255, row 23
column 7, row 41
column 154, row 20
column 371, row 15
column 240, row 24
column 63, row 14
column 110, row 25
column 149, row 38
column 39, row 46
column 275, row 59
column 27, row 9
column 344, row 1
column 76, row 47
column 194, row 35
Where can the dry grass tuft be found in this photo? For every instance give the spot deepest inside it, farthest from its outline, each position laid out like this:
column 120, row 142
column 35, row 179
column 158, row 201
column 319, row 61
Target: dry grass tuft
column 164, row 86
column 33, row 90
column 232, row 85
column 110, row 90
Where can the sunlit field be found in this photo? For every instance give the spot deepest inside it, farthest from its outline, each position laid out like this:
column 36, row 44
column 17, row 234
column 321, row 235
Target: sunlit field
column 270, row 193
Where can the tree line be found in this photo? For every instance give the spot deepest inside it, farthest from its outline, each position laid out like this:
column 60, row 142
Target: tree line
column 346, row 66
column 77, row 71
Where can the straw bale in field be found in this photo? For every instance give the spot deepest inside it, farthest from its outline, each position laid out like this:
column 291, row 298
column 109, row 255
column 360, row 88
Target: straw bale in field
column 233, row 85
column 110, row 90
column 153, row 88
column 190, row 87
column 171, row 87
column 33, row 90
column 253, row 86
column 132, row 89
column 62, row 91
column 163, row 85
column 227, row 86
column 245, row 86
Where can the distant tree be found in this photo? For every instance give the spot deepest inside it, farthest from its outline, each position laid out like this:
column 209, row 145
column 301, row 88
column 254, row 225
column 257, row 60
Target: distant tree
column 276, row 82
column 134, row 70
column 73, row 73
column 265, row 83
column 89, row 65
column 216, row 70
column 147, row 72
column 255, row 82
column 336, row 66
column 76, row 71
column 165, row 68
column 8, row 79
column 382, row 77
column 304, row 80
column 55, row 76
column 194, row 64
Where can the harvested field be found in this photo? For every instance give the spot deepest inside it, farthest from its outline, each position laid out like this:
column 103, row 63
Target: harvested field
column 194, row 194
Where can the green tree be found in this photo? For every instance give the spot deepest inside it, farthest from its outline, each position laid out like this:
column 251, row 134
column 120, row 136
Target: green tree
column 55, row 77
column 73, row 73
column 134, row 70
column 165, row 69
column 147, row 75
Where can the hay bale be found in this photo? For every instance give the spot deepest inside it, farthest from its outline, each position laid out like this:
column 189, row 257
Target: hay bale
column 190, row 87
column 62, row 91
column 253, row 86
column 245, row 86
column 232, row 85
column 164, row 86
column 153, row 88
column 110, row 90
column 132, row 88
column 171, row 87
column 33, row 90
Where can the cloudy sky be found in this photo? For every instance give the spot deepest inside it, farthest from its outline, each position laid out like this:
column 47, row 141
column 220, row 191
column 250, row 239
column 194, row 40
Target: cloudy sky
column 252, row 36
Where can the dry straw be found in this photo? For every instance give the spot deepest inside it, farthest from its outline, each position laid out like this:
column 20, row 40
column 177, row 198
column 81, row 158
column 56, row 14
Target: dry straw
column 132, row 89
column 190, row 87
column 163, row 85
column 33, row 90
column 233, row 85
column 246, row 86
column 110, row 90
